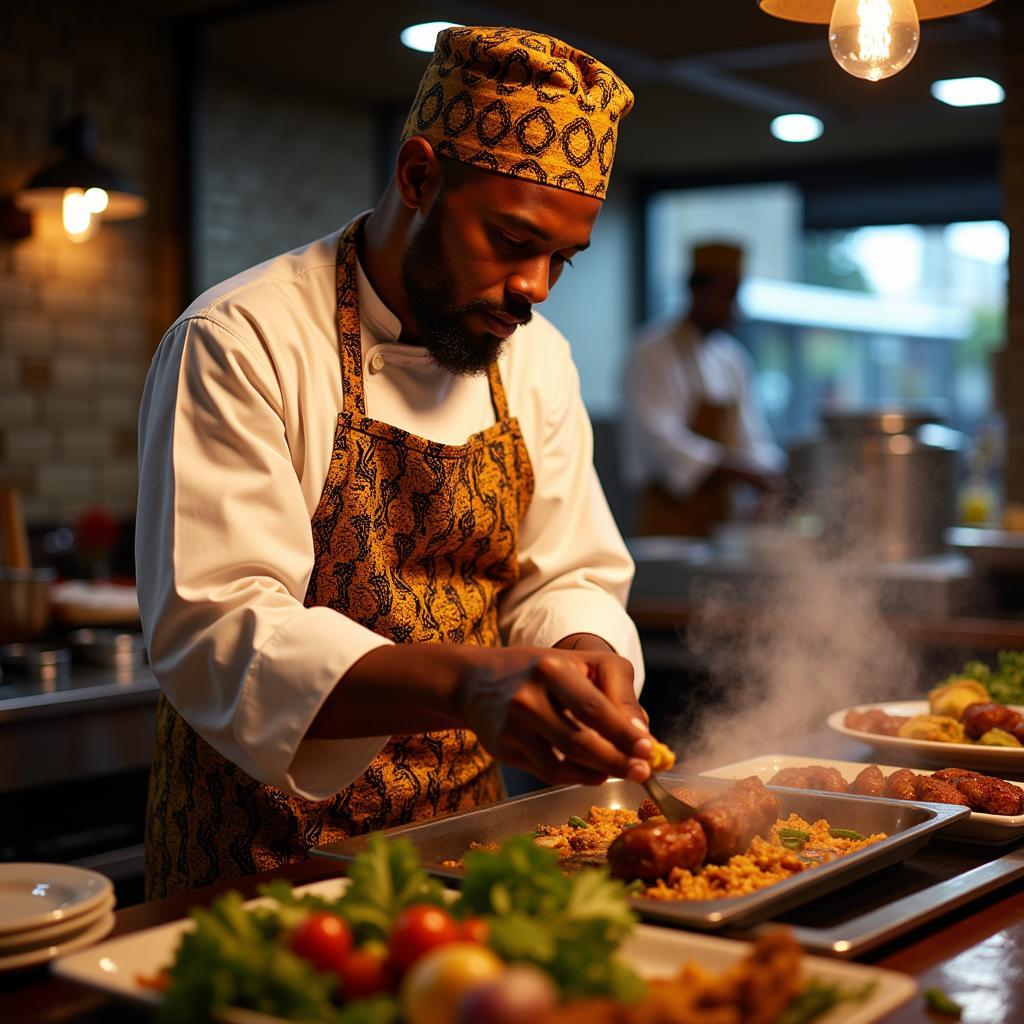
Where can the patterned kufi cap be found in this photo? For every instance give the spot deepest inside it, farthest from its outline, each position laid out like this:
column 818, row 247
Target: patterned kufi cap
column 523, row 104
column 717, row 258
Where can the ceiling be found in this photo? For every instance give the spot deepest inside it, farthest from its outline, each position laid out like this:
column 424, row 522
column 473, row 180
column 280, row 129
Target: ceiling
column 708, row 77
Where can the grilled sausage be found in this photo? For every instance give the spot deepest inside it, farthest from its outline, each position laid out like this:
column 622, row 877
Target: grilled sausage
column 870, row 782
column 651, row 851
column 978, row 718
column 938, row 791
column 731, row 820
column 901, row 785
column 874, row 720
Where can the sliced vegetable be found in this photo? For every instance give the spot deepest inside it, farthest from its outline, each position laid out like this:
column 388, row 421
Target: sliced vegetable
column 818, row 997
column 845, row 833
column 577, row 822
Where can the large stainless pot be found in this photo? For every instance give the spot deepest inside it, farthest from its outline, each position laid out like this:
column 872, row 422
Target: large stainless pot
column 883, row 482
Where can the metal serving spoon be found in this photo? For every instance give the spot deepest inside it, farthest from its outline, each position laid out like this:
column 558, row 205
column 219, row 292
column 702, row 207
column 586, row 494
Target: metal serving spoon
column 674, row 809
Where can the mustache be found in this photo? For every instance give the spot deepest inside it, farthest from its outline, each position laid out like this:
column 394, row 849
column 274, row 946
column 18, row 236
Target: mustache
column 519, row 311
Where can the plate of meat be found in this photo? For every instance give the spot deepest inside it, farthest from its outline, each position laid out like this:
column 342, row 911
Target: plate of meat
column 997, row 805
column 982, row 735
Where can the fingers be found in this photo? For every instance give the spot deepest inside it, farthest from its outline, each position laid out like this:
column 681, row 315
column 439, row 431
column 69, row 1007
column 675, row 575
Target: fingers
column 539, row 758
column 613, row 717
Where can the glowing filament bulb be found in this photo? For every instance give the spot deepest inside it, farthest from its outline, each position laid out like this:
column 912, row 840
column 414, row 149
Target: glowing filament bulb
column 874, row 39
column 77, row 216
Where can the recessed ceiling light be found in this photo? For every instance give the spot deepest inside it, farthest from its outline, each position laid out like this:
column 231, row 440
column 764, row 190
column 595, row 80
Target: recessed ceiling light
column 968, row 92
column 797, row 127
column 421, row 37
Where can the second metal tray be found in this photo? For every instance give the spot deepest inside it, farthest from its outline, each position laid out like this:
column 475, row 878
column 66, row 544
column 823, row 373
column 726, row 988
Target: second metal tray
column 908, row 827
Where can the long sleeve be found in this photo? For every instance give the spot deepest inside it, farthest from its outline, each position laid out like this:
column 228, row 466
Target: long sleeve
column 575, row 570
column 224, row 552
column 660, row 398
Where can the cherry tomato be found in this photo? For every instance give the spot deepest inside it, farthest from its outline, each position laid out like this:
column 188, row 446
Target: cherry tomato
column 324, row 940
column 417, row 930
column 474, row 929
column 363, row 973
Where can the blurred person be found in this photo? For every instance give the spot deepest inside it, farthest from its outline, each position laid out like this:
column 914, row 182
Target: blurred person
column 693, row 428
column 373, row 554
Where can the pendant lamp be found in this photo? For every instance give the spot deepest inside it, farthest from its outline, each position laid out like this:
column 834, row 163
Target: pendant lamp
column 871, row 39
column 83, row 189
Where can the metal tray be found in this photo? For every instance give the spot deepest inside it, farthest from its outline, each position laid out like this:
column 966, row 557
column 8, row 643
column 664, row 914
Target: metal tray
column 908, row 826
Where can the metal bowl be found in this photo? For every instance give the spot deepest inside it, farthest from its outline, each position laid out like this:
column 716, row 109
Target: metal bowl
column 108, row 648
column 24, row 603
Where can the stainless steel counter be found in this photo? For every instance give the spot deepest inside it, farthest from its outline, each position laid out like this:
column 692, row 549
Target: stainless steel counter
column 99, row 722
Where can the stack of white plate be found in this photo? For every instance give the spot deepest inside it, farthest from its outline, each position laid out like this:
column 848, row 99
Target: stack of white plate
column 47, row 910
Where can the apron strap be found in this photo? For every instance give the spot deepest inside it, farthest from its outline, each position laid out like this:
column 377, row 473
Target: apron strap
column 350, row 345
column 498, row 397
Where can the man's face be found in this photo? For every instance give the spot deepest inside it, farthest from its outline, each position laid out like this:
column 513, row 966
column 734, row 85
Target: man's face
column 714, row 301
column 489, row 248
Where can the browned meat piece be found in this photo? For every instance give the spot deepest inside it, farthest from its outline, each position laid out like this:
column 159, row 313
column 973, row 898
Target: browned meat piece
column 827, row 779
column 993, row 796
column 874, row 720
column 954, row 775
column 794, row 778
column 648, row 809
column 1018, row 731
column 870, row 782
column 938, row 791
column 733, row 818
column 651, row 851
column 900, row 785
column 980, row 717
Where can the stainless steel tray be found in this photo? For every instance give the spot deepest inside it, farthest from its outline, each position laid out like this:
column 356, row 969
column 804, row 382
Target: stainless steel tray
column 908, row 826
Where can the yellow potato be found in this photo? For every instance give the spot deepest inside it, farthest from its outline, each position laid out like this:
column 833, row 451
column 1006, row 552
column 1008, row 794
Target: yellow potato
column 662, row 758
column 951, row 698
column 939, row 728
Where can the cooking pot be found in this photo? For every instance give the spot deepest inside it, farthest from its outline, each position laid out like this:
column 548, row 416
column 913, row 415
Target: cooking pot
column 882, row 481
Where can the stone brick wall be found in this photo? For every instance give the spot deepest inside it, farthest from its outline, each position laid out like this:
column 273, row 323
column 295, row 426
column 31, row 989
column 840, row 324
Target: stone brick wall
column 278, row 167
column 78, row 321
column 1009, row 371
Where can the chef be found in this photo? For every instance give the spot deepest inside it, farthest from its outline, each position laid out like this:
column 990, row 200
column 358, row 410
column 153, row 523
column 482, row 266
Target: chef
column 693, row 429
column 373, row 555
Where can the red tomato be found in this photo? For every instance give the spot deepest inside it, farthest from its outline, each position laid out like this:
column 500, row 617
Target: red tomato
column 324, row 940
column 417, row 930
column 474, row 929
column 363, row 974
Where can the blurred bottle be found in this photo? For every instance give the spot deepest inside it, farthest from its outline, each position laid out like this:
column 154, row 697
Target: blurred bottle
column 979, row 496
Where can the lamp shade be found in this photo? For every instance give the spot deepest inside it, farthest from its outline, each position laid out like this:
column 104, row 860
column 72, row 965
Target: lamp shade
column 819, row 12
column 77, row 168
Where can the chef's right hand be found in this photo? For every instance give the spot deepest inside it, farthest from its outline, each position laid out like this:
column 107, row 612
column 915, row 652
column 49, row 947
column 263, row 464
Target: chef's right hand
column 539, row 709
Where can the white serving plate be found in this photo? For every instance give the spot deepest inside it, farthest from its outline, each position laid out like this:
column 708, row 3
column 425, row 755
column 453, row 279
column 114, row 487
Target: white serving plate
column 34, row 895
column 945, row 755
column 80, row 939
column 50, row 934
column 114, row 966
column 992, row 829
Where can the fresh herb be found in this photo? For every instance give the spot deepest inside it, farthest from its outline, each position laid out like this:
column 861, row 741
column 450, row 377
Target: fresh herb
column 386, row 878
column 577, row 822
column 845, row 833
column 937, row 1000
column 569, row 925
column 818, row 997
column 234, row 958
column 1005, row 683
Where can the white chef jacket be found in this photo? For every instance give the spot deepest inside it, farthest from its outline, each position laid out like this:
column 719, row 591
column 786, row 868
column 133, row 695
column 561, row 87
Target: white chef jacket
column 673, row 367
column 236, row 431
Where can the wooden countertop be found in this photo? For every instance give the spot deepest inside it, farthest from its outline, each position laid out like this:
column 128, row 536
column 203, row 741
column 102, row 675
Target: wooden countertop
column 976, row 954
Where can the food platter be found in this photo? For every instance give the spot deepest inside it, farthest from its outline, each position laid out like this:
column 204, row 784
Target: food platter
column 909, row 826
column 114, row 966
column 994, row 829
column 994, row 760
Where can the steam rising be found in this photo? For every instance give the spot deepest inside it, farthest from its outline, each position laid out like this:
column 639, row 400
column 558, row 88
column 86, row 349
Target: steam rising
column 815, row 641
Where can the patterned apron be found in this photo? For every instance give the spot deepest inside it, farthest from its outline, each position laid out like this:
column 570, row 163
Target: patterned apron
column 414, row 539
column 663, row 514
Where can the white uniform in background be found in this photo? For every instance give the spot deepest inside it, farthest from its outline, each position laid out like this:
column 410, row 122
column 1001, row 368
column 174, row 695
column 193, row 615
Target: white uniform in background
column 236, row 432
column 671, row 372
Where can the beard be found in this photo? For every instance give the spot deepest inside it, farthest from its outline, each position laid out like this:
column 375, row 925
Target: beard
column 429, row 282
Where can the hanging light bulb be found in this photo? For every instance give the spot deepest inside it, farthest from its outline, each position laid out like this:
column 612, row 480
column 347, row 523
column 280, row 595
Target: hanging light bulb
column 76, row 216
column 870, row 39
column 874, row 39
